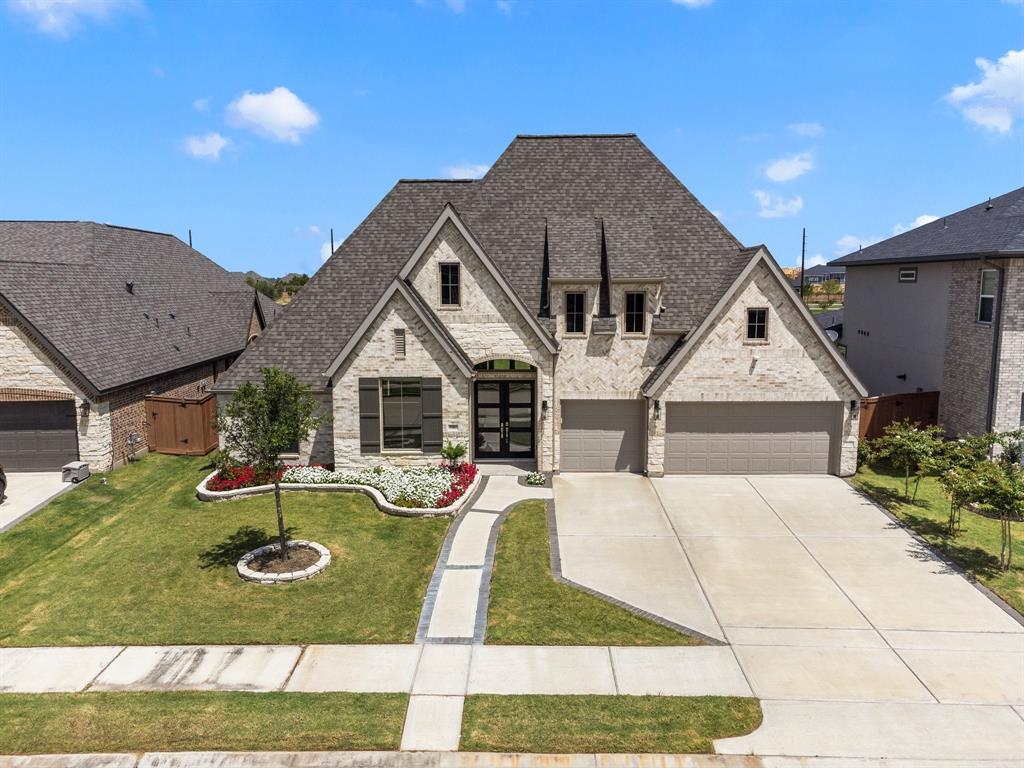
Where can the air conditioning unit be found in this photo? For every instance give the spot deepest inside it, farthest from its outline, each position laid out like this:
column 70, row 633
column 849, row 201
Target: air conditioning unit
column 75, row 471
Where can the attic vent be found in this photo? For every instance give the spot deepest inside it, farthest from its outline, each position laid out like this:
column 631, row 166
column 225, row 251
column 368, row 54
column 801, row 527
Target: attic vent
column 129, row 286
column 400, row 343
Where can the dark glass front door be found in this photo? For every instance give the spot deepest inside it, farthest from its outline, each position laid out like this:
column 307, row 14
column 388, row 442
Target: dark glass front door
column 504, row 419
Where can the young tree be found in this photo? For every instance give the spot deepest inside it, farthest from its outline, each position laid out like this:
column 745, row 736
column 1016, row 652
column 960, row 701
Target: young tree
column 999, row 488
column 953, row 464
column 830, row 289
column 264, row 420
column 907, row 445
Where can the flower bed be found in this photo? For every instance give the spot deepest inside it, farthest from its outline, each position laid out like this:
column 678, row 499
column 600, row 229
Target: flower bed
column 413, row 488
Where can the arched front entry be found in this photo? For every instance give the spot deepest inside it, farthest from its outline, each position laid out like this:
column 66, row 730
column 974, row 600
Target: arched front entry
column 504, row 410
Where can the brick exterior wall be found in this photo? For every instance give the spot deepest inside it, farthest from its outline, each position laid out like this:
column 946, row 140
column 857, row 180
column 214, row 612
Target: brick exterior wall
column 967, row 375
column 793, row 366
column 103, row 434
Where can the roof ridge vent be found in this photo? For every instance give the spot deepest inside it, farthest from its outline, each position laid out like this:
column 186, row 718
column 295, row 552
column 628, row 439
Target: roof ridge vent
column 988, row 205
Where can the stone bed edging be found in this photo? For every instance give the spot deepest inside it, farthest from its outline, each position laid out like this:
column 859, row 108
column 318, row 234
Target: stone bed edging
column 249, row 574
column 378, row 498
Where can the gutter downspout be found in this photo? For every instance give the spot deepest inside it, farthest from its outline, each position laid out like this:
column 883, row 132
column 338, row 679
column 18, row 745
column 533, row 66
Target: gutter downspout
column 996, row 347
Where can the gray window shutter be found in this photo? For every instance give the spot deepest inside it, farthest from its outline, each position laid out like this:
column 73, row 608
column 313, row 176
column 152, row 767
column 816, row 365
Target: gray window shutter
column 431, row 394
column 369, row 416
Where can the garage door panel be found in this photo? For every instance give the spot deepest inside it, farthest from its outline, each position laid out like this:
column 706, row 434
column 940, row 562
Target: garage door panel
column 37, row 436
column 748, row 438
column 601, row 436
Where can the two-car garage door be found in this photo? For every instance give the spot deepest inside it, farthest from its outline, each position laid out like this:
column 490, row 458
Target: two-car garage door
column 747, row 438
column 37, row 436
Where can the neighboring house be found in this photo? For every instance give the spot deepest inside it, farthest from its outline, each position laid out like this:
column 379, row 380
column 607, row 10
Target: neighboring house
column 576, row 309
column 95, row 317
column 819, row 274
column 831, row 320
column 941, row 308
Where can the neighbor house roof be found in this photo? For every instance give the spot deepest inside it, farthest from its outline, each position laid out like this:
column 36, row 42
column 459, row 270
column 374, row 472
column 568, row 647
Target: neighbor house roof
column 69, row 281
column 994, row 228
column 562, row 188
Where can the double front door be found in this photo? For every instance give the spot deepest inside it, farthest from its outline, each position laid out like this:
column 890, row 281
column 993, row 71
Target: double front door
column 504, row 419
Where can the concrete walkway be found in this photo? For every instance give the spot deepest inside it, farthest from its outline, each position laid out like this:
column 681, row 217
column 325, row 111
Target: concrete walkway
column 455, row 608
column 28, row 492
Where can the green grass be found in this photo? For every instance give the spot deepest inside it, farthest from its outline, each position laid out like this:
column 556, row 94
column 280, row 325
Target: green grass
column 604, row 723
column 975, row 547
column 142, row 561
column 528, row 607
column 137, row 722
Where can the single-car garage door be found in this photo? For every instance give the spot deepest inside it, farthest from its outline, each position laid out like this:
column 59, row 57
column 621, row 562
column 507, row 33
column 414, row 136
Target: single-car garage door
column 602, row 436
column 742, row 438
column 37, row 436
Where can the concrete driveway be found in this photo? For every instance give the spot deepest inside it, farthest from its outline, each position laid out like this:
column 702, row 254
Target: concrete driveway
column 28, row 492
column 822, row 598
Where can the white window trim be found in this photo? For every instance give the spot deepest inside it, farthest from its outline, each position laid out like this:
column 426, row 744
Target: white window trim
column 912, row 271
column 440, row 285
column 747, row 339
column 380, row 410
column 625, row 306
column 983, row 295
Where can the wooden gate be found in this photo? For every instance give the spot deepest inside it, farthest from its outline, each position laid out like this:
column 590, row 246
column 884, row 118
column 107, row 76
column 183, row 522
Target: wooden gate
column 876, row 413
column 180, row 426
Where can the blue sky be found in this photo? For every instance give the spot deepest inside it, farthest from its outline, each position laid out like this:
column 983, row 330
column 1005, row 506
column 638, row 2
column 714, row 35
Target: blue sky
column 261, row 125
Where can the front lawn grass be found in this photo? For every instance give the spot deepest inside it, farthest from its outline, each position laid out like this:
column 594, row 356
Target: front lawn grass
column 604, row 723
column 140, row 722
column 975, row 547
column 141, row 561
column 528, row 607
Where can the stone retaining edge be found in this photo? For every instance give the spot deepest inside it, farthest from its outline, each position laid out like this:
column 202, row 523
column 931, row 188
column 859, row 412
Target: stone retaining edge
column 259, row 577
column 378, row 498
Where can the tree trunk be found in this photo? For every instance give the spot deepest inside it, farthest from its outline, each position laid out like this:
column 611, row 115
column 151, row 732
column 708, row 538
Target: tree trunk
column 906, row 482
column 280, row 517
column 951, row 524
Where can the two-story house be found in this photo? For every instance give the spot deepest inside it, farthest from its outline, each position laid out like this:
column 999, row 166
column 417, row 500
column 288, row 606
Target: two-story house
column 941, row 308
column 576, row 309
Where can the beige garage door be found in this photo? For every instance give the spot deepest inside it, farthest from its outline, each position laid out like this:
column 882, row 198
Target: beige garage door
column 747, row 438
column 602, row 436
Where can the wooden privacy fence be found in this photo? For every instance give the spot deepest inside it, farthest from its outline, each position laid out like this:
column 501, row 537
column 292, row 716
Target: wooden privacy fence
column 876, row 413
column 180, row 426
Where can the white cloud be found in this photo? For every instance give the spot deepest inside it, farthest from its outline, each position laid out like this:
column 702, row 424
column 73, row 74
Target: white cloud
column 505, row 6
column 997, row 99
column 776, row 206
column 206, row 147
column 201, row 105
column 816, row 260
column 810, row 130
column 850, row 243
column 325, row 251
column 456, row 6
column 924, row 218
column 789, row 168
column 278, row 114
column 60, row 17
column 692, row 3
column 465, row 171
column 717, row 214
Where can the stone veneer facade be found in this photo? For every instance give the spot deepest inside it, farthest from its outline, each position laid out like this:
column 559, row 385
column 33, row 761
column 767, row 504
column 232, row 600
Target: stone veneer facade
column 793, row 366
column 103, row 434
column 967, row 370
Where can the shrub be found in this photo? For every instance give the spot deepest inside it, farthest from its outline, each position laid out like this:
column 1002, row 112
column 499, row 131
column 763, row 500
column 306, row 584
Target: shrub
column 536, row 478
column 907, row 446
column 453, row 453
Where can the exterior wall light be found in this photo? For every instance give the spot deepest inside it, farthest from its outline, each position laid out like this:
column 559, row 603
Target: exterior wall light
column 543, row 409
column 657, row 409
column 854, row 407
column 84, row 409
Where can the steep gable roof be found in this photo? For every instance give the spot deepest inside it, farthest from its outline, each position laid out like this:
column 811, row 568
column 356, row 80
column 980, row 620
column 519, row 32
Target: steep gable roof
column 992, row 228
column 568, row 185
column 68, row 281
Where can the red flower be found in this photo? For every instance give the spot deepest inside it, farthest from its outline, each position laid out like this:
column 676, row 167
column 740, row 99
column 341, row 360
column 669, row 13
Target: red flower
column 462, row 478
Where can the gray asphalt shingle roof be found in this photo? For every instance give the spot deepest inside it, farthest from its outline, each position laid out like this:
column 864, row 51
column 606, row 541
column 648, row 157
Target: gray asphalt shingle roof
column 654, row 227
column 992, row 228
column 67, row 279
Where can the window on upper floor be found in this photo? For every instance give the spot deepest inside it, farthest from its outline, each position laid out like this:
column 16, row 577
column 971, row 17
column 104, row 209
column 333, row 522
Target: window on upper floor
column 908, row 275
column 757, row 324
column 636, row 312
column 450, row 288
column 987, row 295
column 575, row 313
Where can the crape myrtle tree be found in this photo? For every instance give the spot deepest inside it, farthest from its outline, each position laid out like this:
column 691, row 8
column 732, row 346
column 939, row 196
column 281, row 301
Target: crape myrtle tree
column 264, row 420
column 953, row 465
column 907, row 446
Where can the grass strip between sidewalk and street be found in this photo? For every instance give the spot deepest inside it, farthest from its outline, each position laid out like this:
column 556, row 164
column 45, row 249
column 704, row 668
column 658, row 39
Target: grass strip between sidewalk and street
column 528, row 607
column 140, row 561
column 181, row 721
column 975, row 547
column 604, row 723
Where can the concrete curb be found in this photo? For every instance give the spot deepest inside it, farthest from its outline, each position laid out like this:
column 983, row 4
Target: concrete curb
column 376, row 496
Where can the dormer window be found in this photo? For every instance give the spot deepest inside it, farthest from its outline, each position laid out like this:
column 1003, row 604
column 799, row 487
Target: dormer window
column 575, row 313
column 636, row 312
column 450, row 288
column 757, row 324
